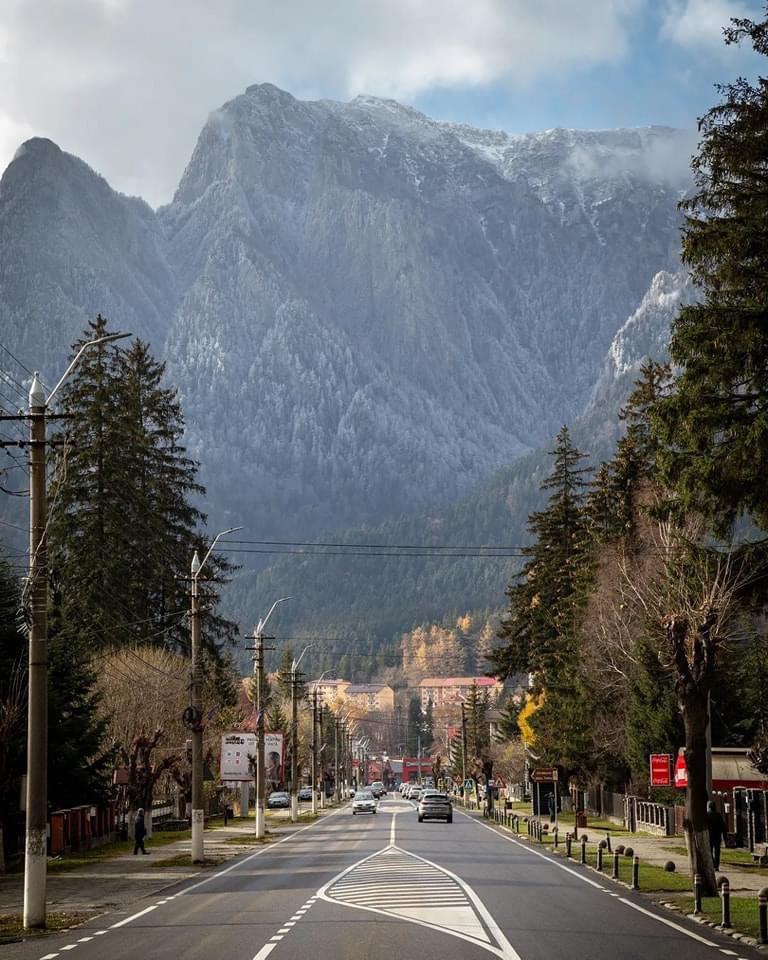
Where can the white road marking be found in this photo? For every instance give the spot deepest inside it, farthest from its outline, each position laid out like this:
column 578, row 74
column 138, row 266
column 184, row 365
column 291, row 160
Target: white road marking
column 84, row 939
column 452, row 906
column 99, row 933
column 392, row 831
column 731, row 953
column 575, row 873
column 49, row 956
column 276, row 939
column 135, row 916
column 69, row 946
column 265, row 951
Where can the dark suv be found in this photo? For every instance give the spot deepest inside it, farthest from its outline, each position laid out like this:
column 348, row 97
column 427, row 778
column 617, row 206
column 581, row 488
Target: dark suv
column 435, row 806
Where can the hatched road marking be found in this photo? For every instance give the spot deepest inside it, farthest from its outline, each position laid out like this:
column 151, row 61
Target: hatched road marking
column 398, row 884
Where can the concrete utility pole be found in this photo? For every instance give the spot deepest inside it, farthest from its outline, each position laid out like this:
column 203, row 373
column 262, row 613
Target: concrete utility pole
column 35, row 859
column 198, row 813
column 336, row 793
column 260, row 709
column 321, row 728
column 36, row 847
column 294, row 746
column 315, row 749
column 295, row 737
column 463, row 747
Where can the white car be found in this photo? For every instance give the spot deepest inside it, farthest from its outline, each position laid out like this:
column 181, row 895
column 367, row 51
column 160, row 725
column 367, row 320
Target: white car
column 364, row 802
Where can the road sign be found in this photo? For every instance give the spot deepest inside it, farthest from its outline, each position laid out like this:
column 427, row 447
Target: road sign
column 544, row 775
column 661, row 769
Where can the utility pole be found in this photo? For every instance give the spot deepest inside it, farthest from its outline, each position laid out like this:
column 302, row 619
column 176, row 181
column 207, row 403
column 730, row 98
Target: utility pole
column 336, row 793
column 315, row 748
column 198, row 814
column 36, row 846
column 35, row 857
column 258, row 666
column 294, row 746
column 196, row 698
column 258, row 636
column 463, row 747
column 321, row 729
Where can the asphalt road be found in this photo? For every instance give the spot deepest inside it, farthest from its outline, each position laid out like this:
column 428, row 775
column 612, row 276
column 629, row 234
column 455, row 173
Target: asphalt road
column 383, row 887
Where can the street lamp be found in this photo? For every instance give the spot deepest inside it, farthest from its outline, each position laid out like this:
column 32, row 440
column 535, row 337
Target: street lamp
column 198, row 814
column 295, row 739
column 36, row 850
column 259, row 671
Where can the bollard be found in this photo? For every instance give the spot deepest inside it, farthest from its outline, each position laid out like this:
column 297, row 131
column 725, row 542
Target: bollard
column 762, row 909
column 635, row 872
column 600, row 848
column 615, row 873
column 697, row 894
column 568, row 842
column 556, row 841
column 725, row 897
column 583, row 849
column 608, row 841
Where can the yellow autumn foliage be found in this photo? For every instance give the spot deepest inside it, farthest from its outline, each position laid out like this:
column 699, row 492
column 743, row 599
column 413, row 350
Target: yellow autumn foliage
column 532, row 704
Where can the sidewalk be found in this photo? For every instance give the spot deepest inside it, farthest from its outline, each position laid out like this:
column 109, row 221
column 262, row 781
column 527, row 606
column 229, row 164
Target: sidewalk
column 120, row 880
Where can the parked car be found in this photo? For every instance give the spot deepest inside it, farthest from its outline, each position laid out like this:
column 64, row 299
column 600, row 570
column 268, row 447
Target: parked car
column 435, row 806
column 305, row 793
column 278, row 799
column 364, row 802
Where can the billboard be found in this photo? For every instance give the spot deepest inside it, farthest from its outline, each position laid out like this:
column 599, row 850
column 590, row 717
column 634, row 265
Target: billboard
column 235, row 751
column 239, row 749
column 274, row 752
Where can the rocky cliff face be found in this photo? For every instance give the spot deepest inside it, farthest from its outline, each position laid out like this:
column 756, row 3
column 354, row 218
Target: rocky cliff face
column 366, row 311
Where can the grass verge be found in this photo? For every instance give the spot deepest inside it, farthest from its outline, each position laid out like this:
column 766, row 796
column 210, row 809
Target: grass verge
column 744, row 916
column 12, row 929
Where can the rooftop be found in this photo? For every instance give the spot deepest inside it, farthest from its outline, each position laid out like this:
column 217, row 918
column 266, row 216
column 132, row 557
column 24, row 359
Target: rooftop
column 459, row 682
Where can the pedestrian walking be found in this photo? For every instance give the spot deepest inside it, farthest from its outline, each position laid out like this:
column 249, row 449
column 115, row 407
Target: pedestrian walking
column 139, row 832
column 551, row 807
column 716, row 827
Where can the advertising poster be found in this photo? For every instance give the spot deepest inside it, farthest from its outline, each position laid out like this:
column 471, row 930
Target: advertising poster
column 235, row 750
column 274, row 751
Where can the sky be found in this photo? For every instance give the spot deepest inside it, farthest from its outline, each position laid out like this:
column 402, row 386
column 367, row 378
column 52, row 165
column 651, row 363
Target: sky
column 128, row 84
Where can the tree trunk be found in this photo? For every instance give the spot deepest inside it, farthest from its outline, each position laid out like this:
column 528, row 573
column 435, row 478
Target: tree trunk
column 694, row 704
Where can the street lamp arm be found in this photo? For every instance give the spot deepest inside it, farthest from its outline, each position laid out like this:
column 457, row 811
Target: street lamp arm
column 216, row 539
column 262, row 623
column 86, row 346
column 295, row 664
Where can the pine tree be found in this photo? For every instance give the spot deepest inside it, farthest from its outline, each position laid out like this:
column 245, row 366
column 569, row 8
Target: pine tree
column 123, row 523
column 538, row 632
column 715, row 422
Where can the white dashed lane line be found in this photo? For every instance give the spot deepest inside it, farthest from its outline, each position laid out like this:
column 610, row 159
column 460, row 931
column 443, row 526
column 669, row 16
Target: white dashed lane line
column 284, row 929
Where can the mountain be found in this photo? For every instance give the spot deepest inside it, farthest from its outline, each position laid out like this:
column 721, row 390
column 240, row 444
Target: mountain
column 368, row 313
column 376, row 592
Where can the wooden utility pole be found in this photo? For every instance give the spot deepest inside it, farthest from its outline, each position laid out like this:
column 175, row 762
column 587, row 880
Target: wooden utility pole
column 463, row 747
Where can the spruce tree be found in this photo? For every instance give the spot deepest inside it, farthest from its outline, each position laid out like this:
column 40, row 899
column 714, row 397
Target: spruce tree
column 13, row 699
column 124, row 525
column 716, row 420
column 539, row 629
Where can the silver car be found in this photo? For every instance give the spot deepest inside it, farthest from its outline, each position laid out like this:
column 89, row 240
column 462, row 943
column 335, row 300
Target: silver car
column 435, row 806
column 364, row 802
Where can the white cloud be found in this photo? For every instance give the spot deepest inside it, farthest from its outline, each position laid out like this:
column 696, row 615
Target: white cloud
column 127, row 84
column 699, row 23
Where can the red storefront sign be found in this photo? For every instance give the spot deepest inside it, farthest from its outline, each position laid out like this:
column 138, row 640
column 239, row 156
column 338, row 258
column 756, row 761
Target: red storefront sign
column 681, row 771
column 661, row 769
